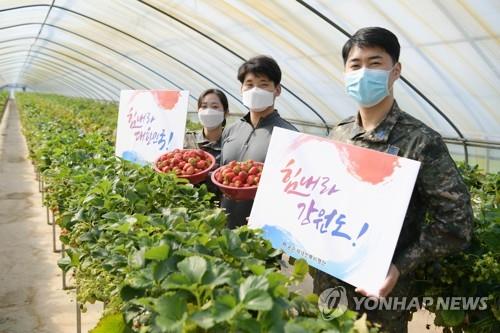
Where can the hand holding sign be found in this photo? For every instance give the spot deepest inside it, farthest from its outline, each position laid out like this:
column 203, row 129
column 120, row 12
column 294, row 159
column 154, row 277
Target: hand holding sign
column 390, row 282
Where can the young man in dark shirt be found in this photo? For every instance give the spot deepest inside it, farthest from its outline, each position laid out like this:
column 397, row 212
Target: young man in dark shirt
column 249, row 137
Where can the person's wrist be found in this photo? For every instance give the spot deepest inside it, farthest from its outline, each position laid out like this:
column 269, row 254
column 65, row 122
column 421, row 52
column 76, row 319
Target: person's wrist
column 397, row 269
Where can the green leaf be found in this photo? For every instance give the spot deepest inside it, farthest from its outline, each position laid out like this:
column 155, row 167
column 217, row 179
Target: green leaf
column 291, row 327
column 140, row 279
column 120, row 227
column 490, row 236
column 136, row 258
column 276, row 278
column 452, row 317
column 111, row 323
column 258, row 300
column 217, row 275
column 193, row 267
column 64, row 263
column 257, row 269
column 172, row 313
column 112, row 216
column 300, row 269
column 177, row 280
column 73, row 255
column 224, row 308
column 203, row 319
column 252, row 283
column 233, row 240
column 250, row 325
column 163, row 268
column 360, row 324
column 128, row 293
column 157, row 252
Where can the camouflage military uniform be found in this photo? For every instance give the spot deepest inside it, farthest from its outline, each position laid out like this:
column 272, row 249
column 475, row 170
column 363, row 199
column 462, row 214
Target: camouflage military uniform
column 439, row 192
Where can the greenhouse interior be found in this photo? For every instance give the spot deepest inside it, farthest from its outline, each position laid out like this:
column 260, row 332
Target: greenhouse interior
column 206, row 221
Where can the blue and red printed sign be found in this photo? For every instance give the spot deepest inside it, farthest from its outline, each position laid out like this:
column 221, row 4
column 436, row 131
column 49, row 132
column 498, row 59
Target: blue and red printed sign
column 150, row 123
column 338, row 206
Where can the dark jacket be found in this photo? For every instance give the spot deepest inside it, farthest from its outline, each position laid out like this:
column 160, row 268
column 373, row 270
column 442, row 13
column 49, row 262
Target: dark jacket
column 241, row 141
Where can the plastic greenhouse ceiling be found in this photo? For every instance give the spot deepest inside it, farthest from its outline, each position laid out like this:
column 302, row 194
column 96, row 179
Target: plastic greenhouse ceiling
column 450, row 55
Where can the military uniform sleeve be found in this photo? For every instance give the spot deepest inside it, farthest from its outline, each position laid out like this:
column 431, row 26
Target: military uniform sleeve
column 447, row 202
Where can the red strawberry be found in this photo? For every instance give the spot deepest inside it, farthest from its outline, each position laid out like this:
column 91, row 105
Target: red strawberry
column 201, row 164
column 229, row 176
column 253, row 170
column 243, row 176
column 189, row 170
column 218, row 177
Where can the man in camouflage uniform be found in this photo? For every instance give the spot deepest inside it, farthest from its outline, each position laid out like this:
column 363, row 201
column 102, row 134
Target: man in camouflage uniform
column 371, row 67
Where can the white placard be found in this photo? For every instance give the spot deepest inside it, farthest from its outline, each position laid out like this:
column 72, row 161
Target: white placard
column 150, row 123
column 339, row 206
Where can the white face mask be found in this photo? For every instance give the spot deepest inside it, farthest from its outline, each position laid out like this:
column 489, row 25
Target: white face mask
column 210, row 118
column 257, row 99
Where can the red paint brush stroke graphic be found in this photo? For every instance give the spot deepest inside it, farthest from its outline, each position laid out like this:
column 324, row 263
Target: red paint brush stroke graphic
column 365, row 164
column 304, row 138
column 166, row 100
column 368, row 165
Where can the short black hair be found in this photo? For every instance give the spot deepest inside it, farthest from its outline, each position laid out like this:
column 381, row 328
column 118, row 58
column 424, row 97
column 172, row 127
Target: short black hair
column 260, row 65
column 373, row 37
column 219, row 93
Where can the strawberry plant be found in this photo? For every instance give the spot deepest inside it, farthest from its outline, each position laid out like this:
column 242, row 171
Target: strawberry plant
column 4, row 95
column 476, row 271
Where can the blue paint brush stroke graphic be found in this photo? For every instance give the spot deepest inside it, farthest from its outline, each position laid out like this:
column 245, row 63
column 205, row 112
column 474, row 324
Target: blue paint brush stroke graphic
column 133, row 156
column 340, row 269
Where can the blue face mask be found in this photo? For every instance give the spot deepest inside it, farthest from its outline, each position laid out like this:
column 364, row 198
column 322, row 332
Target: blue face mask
column 367, row 86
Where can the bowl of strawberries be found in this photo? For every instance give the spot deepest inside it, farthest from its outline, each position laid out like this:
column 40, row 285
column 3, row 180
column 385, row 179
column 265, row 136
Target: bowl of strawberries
column 192, row 164
column 238, row 180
